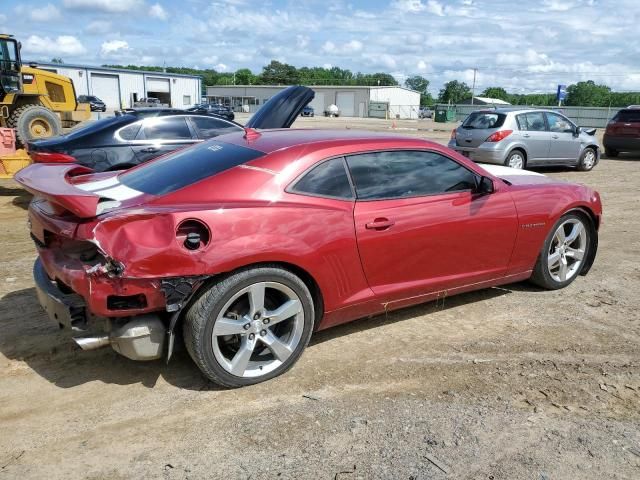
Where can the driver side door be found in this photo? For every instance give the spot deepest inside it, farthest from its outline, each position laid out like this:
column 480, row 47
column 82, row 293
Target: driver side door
column 421, row 228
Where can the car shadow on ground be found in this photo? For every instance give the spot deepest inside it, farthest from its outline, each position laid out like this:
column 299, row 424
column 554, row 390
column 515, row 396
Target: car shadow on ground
column 29, row 336
column 624, row 157
column 22, row 197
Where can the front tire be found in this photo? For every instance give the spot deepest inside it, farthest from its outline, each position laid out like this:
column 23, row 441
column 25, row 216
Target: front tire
column 563, row 253
column 250, row 326
column 34, row 121
column 516, row 160
column 588, row 160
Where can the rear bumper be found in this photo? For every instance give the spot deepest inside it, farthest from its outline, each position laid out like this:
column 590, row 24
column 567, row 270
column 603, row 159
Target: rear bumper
column 65, row 310
column 482, row 153
column 621, row 143
column 70, row 282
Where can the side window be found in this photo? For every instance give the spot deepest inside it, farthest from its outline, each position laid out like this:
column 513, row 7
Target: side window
column 329, row 179
column 533, row 122
column 559, row 124
column 130, row 131
column 166, row 128
column 400, row 174
column 208, row 127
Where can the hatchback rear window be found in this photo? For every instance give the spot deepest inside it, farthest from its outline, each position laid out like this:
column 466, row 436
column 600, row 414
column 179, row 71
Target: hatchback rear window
column 484, row 120
column 627, row 116
column 185, row 167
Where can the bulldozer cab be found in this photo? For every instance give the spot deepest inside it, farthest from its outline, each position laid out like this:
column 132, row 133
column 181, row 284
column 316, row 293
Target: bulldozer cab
column 10, row 65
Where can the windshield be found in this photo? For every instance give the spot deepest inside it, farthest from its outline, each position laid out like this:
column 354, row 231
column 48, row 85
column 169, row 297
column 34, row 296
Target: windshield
column 9, row 55
column 185, row 167
column 630, row 116
column 484, row 120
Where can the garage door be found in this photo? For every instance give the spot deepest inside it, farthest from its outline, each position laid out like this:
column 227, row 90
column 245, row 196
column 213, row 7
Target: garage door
column 160, row 85
column 318, row 103
column 106, row 88
column 346, row 102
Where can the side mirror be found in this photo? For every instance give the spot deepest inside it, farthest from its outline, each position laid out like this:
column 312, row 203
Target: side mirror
column 577, row 131
column 485, row 186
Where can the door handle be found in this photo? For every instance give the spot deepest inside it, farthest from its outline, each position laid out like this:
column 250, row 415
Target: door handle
column 150, row 150
column 379, row 224
column 554, row 136
column 526, row 135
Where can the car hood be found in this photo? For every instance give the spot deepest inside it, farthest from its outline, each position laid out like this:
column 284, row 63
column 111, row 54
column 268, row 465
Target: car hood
column 517, row 176
column 282, row 109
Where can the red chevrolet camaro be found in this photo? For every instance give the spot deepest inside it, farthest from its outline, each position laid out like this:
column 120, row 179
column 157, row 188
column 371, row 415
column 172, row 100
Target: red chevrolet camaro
column 250, row 242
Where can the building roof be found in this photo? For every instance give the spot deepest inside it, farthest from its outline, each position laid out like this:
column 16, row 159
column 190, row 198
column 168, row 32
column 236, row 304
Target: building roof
column 346, row 87
column 488, row 101
column 109, row 69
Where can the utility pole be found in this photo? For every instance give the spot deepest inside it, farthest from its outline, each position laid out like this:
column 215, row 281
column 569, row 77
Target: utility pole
column 473, row 88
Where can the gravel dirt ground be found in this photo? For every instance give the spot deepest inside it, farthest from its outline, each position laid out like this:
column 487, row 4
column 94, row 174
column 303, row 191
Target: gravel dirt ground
column 503, row 383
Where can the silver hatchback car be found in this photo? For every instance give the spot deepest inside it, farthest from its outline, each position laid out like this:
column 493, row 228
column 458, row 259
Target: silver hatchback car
column 523, row 137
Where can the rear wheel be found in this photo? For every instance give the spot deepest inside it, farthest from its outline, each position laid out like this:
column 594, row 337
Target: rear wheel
column 610, row 152
column 515, row 160
column 34, row 121
column 563, row 253
column 250, row 327
column 587, row 160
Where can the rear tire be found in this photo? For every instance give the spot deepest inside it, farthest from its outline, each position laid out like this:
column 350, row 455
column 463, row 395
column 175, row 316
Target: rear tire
column 233, row 336
column 563, row 253
column 587, row 160
column 32, row 122
column 516, row 159
column 611, row 153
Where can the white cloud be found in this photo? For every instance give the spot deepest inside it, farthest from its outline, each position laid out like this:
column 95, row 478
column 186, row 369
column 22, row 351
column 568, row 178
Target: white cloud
column 221, row 67
column 435, row 7
column 109, row 6
column 3, row 18
column 98, row 27
column 42, row 13
column 157, row 11
column 113, row 46
column 62, row 45
column 210, row 60
column 302, row 41
column 409, row 5
column 349, row 47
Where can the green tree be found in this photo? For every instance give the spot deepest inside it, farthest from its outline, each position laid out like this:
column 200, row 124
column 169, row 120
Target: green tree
column 56, row 60
column 244, row 76
column 496, row 92
column 278, row 73
column 588, row 94
column 417, row 83
column 454, row 92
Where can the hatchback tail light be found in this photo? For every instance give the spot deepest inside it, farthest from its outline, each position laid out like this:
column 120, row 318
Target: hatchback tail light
column 49, row 157
column 499, row 135
column 453, row 134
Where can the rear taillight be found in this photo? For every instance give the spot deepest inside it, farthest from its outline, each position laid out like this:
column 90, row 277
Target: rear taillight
column 453, row 134
column 498, row 136
column 48, row 157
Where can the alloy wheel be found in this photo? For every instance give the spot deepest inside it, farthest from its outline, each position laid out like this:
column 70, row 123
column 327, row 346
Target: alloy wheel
column 567, row 250
column 258, row 329
column 589, row 159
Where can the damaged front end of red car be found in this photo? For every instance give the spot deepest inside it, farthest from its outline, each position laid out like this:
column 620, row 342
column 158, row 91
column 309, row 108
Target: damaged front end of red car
column 97, row 272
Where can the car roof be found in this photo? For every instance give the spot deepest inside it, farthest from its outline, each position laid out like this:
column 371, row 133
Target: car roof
column 269, row 141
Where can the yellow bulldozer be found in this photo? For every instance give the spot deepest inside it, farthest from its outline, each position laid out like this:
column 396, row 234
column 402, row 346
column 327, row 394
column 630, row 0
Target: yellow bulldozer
column 35, row 102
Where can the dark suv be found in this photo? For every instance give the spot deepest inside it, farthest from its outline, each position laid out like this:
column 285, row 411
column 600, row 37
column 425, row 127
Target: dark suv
column 623, row 132
column 94, row 102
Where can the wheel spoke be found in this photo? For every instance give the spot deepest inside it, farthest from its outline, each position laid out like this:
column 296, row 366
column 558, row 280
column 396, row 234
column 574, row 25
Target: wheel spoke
column 228, row 326
column 553, row 259
column 562, row 273
column 256, row 298
column 560, row 236
column 280, row 350
column 575, row 253
column 576, row 231
column 241, row 358
column 286, row 310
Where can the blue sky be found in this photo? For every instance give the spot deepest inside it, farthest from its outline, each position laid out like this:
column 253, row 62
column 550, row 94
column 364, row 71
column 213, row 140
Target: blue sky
column 524, row 46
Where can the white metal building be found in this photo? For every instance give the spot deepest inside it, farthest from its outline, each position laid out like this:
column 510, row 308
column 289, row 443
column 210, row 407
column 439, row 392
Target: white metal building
column 120, row 88
column 352, row 101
